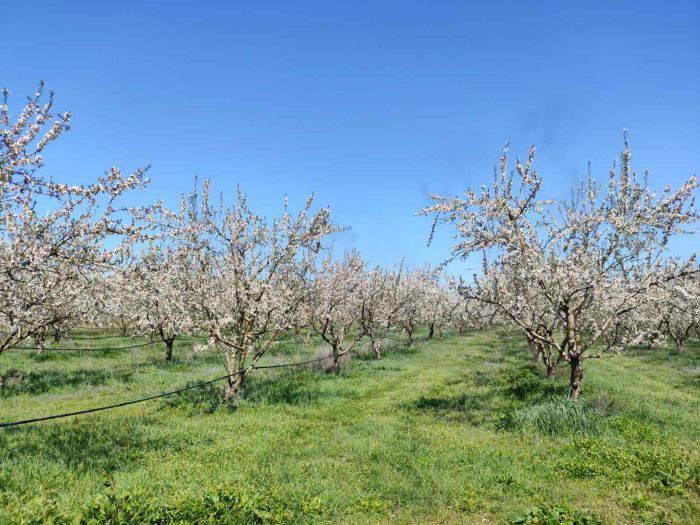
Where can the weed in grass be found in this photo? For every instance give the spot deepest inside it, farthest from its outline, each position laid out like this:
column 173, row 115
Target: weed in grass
column 468, row 503
column 373, row 505
column 662, row 467
column 606, row 403
column 225, row 506
column 634, row 429
column 556, row 515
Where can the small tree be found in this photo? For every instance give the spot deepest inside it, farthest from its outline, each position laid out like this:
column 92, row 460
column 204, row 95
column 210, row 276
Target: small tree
column 337, row 296
column 243, row 277
column 382, row 304
column 152, row 287
column 675, row 310
column 411, row 293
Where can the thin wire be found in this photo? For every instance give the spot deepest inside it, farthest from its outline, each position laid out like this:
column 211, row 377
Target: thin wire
column 155, row 396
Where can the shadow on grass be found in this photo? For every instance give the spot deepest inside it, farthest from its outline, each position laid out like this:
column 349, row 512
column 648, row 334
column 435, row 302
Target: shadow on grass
column 87, row 444
column 66, row 355
column 490, row 395
column 290, row 388
column 525, row 383
column 15, row 382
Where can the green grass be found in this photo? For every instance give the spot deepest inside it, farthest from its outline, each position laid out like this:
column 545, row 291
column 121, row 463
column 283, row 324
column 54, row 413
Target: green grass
column 460, row 430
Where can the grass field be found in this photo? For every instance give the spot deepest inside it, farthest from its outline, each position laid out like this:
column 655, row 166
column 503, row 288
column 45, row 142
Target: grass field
column 459, row 430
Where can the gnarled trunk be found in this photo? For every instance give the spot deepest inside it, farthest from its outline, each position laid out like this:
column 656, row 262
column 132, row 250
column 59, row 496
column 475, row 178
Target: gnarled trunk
column 335, row 364
column 549, row 364
column 576, row 377
column 535, row 350
column 236, row 367
column 574, row 352
column 233, row 386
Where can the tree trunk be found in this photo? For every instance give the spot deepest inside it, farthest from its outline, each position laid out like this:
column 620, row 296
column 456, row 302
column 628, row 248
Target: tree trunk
column 431, row 330
column 550, row 365
column 233, row 387
column 410, row 337
column 680, row 346
column 335, row 365
column 576, row 378
column 169, row 349
column 39, row 344
column 235, row 366
column 57, row 337
column 377, row 348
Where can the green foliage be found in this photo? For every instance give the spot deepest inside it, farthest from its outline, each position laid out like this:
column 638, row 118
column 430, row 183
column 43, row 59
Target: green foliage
column 556, row 515
column 289, row 387
column 225, row 505
column 373, row 505
column 663, row 467
column 82, row 445
column 468, row 503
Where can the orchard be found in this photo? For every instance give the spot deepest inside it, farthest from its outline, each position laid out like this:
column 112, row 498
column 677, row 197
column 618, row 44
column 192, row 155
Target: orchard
column 587, row 275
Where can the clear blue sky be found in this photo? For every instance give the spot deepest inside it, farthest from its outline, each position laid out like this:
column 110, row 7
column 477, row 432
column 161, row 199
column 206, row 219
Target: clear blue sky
column 371, row 105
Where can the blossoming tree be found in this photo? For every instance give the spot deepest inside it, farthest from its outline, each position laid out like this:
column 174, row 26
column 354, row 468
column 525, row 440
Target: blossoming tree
column 578, row 250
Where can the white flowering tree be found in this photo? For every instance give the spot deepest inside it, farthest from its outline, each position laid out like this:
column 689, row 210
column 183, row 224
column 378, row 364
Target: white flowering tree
column 52, row 234
column 437, row 304
column 507, row 291
column 337, row 295
column 411, row 293
column 243, row 277
column 152, row 289
column 382, row 304
column 602, row 243
column 674, row 310
column 114, row 304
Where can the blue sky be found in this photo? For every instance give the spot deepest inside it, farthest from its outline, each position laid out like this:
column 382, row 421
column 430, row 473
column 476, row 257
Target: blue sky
column 371, row 105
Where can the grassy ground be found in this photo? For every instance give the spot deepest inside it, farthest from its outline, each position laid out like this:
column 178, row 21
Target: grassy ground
column 460, row 430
